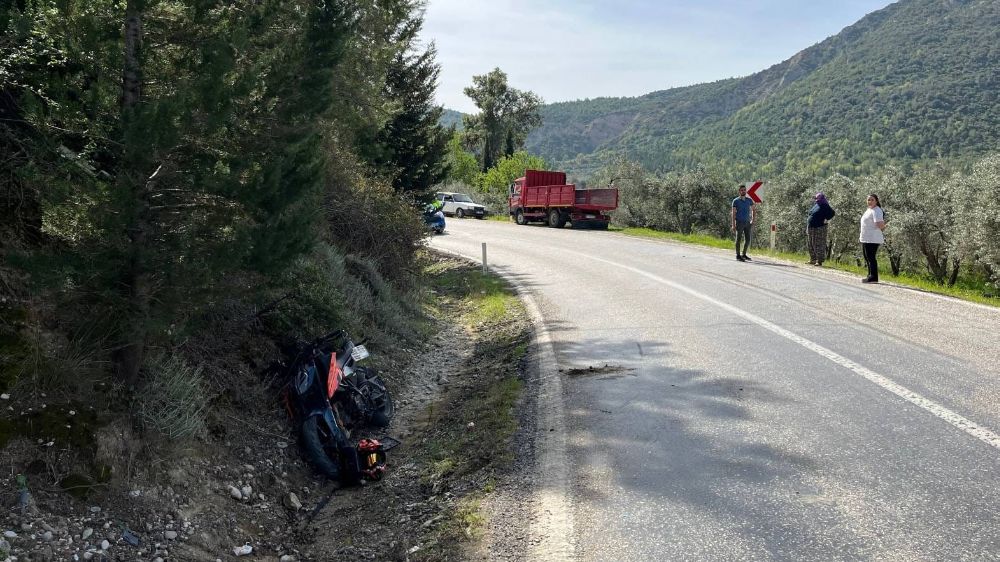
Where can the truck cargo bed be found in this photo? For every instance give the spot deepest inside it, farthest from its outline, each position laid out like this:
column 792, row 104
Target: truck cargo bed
column 549, row 196
column 596, row 199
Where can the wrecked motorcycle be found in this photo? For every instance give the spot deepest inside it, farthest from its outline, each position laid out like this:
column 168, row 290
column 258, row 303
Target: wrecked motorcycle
column 330, row 397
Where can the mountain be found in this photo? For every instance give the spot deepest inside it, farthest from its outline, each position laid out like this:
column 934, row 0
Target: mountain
column 450, row 117
column 918, row 79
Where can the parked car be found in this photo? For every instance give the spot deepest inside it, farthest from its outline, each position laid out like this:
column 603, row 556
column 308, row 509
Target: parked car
column 460, row 205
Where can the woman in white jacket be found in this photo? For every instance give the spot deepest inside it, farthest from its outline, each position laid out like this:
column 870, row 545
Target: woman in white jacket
column 872, row 225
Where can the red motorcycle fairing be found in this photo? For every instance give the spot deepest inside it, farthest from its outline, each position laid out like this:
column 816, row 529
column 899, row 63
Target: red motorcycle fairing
column 333, row 374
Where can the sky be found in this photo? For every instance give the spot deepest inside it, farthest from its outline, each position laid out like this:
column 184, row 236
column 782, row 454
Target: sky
column 566, row 50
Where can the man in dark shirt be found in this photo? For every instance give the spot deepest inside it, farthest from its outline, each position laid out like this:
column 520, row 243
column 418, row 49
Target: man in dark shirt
column 743, row 216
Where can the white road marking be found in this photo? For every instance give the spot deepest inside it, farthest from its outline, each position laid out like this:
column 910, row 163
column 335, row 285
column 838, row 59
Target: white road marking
column 966, row 425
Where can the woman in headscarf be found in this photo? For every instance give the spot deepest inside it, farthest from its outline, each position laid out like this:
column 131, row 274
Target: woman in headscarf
column 819, row 215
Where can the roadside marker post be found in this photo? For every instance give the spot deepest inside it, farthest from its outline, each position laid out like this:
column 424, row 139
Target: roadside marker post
column 484, row 258
column 774, row 234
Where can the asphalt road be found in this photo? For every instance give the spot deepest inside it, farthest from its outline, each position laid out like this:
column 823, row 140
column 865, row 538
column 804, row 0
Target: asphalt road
column 718, row 410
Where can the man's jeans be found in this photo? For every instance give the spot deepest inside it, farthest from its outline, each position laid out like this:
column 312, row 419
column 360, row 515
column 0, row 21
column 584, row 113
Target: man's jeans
column 742, row 234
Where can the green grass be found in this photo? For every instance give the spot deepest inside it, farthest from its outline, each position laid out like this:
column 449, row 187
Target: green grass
column 468, row 518
column 699, row 239
column 483, row 298
column 963, row 289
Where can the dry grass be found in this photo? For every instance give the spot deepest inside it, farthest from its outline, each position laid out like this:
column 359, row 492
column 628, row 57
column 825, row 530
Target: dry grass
column 173, row 401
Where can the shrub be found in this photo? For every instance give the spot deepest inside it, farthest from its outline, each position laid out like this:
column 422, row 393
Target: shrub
column 173, row 399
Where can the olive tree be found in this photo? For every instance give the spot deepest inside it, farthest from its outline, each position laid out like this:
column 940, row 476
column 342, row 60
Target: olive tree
column 924, row 224
column 977, row 215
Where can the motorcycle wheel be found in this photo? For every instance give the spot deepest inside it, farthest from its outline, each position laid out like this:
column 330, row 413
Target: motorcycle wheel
column 313, row 438
column 382, row 408
column 383, row 415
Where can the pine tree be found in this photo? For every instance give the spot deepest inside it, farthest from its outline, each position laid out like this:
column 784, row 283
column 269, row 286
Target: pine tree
column 191, row 146
column 412, row 145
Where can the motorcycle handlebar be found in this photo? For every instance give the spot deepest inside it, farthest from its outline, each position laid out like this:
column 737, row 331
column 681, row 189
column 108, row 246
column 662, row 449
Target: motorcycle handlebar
column 329, row 337
column 318, row 343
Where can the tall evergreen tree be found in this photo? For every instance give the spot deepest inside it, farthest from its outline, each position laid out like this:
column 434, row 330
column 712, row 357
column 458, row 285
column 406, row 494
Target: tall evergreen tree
column 191, row 144
column 412, row 146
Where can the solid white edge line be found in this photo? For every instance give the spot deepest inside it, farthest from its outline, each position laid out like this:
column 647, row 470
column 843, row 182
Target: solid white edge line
column 955, row 419
column 553, row 537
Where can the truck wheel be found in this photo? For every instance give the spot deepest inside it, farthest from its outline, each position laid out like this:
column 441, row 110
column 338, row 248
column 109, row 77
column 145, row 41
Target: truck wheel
column 460, row 213
column 519, row 217
column 555, row 218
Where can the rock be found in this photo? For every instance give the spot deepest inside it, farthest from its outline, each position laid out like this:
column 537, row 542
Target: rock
column 235, row 493
column 282, row 445
column 287, row 558
column 249, row 467
column 5, row 396
column 86, row 533
column 47, row 536
column 170, row 535
column 242, row 550
column 4, row 546
column 88, row 555
column 471, row 425
column 157, row 559
column 95, row 509
column 105, row 544
column 432, row 521
column 247, row 492
column 291, row 501
column 9, row 535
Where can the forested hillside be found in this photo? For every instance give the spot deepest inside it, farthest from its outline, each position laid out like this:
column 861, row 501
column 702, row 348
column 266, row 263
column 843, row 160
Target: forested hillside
column 914, row 81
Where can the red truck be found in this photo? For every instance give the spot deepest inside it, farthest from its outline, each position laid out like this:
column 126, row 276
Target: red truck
column 545, row 196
